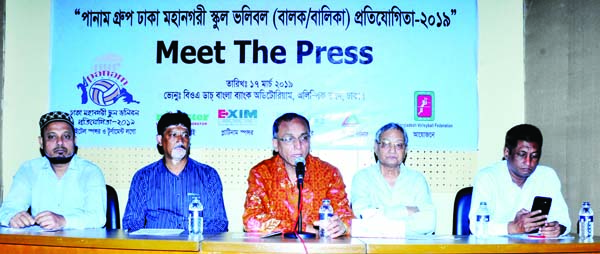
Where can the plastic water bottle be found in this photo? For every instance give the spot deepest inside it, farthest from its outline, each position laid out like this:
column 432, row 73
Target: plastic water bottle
column 325, row 212
column 482, row 220
column 586, row 221
column 195, row 215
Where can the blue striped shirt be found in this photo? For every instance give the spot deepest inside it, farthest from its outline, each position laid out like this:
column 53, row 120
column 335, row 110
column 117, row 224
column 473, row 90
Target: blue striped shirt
column 158, row 198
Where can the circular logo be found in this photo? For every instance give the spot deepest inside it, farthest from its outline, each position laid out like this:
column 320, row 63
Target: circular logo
column 104, row 92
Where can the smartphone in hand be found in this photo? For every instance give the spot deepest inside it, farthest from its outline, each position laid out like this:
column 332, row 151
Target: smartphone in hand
column 541, row 203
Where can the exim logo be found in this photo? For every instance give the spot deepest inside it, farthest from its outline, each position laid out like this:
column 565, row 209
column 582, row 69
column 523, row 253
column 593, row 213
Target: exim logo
column 237, row 116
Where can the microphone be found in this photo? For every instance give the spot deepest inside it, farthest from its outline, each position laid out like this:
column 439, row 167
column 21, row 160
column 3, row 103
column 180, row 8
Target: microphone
column 298, row 233
column 300, row 169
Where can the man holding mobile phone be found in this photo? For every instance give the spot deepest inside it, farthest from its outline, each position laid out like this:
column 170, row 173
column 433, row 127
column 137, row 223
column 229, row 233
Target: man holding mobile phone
column 510, row 186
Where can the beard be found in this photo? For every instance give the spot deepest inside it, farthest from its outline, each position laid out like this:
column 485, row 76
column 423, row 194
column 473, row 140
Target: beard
column 59, row 159
column 179, row 153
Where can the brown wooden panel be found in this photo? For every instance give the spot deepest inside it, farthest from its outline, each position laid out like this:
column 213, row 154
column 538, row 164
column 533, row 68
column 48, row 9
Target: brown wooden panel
column 463, row 244
column 27, row 249
column 90, row 239
column 252, row 243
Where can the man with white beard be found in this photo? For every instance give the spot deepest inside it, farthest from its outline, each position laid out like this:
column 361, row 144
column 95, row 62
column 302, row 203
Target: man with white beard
column 158, row 197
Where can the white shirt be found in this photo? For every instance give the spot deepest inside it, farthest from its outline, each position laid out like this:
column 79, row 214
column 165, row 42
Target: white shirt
column 79, row 196
column 504, row 198
column 371, row 191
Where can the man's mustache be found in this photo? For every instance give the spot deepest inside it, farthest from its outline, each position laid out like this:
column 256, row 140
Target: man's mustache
column 180, row 146
column 59, row 148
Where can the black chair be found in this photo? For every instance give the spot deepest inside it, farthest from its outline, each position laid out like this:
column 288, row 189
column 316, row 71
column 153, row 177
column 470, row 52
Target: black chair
column 462, row 206
column 113, row 218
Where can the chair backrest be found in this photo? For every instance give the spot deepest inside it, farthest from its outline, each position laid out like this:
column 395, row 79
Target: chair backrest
column 462, row 206
column 113, row 217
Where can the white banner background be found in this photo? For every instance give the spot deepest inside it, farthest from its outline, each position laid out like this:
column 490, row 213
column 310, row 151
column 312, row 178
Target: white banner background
column 414, row 63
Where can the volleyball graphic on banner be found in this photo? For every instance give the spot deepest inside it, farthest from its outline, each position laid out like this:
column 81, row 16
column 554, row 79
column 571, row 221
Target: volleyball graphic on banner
column 104, row 92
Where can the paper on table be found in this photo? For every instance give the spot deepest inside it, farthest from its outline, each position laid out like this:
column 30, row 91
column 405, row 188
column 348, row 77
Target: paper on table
column 271, row 234
column 157, row 231
column 34, row 228
column 378, row 226
column 539, row 236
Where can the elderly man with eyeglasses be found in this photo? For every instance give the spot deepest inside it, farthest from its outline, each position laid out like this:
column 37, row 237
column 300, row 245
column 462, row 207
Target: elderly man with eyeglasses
column 391, row 190
column 272, row 196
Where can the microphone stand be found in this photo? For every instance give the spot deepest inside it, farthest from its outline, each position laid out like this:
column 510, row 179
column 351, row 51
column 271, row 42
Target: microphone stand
column 299, row 232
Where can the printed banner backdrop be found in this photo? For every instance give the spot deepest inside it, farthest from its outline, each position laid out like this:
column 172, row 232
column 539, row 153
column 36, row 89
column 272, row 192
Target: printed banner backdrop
column 235, row 66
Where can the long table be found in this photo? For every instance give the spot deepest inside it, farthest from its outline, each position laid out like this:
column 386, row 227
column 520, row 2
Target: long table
column 117, row 241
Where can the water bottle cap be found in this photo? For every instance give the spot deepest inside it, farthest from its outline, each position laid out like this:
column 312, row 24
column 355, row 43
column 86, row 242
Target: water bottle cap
column 326, row 201
column 586, row 203
column 482, row 203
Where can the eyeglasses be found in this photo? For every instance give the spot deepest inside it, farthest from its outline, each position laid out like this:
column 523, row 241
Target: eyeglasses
column 289, row 139
column 386, row 144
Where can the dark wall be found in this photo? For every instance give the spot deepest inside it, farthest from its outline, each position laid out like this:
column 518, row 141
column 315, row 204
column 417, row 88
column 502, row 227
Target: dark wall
column 562, row 90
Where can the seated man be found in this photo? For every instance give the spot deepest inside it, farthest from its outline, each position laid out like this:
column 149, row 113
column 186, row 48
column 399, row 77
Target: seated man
column 509, row 187
column 158, row 197
column 272, row 195
column 391, row 189
column 63, row 190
